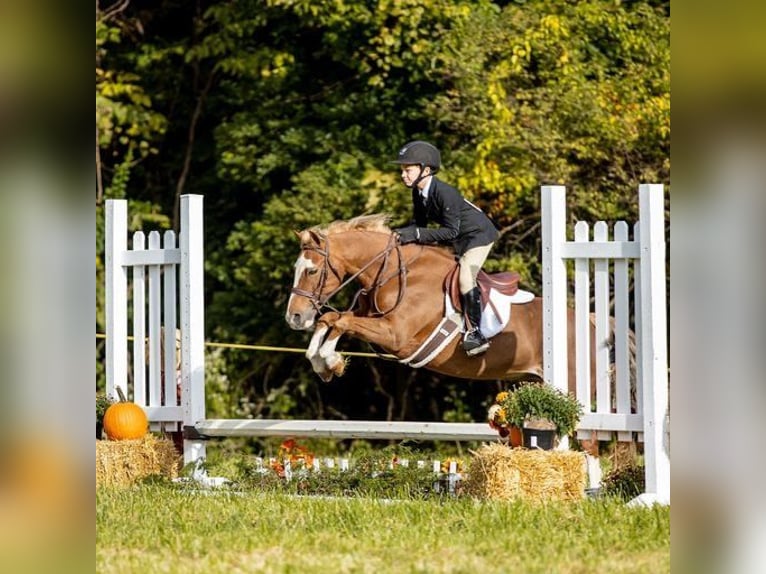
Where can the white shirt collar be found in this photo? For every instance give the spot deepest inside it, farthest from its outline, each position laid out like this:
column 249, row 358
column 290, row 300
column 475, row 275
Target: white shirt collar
column 424, row 192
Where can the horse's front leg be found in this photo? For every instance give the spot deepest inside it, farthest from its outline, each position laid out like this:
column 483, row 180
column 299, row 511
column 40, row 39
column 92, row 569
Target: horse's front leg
column 332, row 360
column 318, row 362
column 374, row 330
column 377, row 330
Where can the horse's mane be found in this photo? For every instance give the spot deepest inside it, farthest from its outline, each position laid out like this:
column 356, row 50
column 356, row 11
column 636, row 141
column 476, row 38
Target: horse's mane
column 377, row 222
column 373, row 222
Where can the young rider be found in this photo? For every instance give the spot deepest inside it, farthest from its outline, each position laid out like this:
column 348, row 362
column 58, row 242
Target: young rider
column 460, row 224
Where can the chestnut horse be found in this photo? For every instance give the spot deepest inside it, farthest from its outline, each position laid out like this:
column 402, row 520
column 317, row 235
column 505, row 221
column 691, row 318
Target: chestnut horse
column 399, row 303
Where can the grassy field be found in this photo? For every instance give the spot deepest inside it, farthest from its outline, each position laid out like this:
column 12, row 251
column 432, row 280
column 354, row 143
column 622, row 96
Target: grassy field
column 162, row 528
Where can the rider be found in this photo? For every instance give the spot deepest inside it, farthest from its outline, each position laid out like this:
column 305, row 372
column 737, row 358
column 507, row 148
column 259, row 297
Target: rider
column 461, row 224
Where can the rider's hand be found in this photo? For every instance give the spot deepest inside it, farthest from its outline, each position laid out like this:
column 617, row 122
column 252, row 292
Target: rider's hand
column 409, row 234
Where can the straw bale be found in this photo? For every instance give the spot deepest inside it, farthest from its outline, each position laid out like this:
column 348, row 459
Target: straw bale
column 123, row 462
column 502, row 473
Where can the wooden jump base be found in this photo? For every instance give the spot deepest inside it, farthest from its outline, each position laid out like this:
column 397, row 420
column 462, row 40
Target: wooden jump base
column 379, row 430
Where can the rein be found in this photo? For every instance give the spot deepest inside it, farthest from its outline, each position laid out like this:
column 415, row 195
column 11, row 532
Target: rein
column 319, row 301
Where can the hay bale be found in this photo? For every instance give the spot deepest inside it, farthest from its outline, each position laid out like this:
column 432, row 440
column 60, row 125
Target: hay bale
column 501, row 473
column 123, row 462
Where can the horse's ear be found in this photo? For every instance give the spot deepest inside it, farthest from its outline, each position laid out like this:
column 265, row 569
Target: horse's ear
column 308, row 237
column 316, row 238
column 304, row 236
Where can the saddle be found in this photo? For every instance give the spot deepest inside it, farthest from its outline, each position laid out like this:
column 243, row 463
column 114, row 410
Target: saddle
column 506, row 282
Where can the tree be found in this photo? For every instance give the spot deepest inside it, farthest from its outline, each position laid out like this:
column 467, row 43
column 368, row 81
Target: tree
column 285, row 113
column 551, row 92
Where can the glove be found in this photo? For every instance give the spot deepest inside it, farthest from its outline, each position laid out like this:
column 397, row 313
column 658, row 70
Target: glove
column 409, row 234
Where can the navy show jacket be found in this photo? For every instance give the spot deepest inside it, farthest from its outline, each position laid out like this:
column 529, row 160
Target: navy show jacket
column 461, row 223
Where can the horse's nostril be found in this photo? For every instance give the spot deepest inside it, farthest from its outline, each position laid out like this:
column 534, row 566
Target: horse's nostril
column 296, row 319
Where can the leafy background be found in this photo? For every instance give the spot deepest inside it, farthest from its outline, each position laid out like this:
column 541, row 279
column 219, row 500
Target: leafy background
column 285, row 113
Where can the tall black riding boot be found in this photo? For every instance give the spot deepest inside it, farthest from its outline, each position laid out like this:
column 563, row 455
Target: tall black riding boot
column 474, row 342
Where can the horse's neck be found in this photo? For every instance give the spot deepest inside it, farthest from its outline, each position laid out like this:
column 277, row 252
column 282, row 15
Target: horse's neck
column 357, row 249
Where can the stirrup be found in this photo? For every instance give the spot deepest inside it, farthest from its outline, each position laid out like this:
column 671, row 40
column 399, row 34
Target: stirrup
column 474, row 343
column 472, row 352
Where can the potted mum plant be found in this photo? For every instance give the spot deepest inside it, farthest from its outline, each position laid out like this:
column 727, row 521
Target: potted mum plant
column 498, row 421
column 102, row 403
column 542, row 411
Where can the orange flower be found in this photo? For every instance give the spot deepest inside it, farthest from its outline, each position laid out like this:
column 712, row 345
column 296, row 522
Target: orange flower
column 309, row 459
column 446, row 464
column 295, row 453
column 278, row 467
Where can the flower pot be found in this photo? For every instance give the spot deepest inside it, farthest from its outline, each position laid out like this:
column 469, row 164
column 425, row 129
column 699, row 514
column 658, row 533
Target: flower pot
column 512, row 433
column 515, row 437
column 539, row 433
column 539, row 438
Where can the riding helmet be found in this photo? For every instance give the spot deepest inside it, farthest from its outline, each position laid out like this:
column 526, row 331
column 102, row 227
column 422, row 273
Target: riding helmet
column 419, row 153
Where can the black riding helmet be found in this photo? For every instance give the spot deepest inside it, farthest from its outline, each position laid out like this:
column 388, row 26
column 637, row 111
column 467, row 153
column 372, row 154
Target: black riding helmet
column 419, row 153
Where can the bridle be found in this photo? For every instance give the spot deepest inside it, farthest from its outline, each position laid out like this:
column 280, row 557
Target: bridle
column 320, row 301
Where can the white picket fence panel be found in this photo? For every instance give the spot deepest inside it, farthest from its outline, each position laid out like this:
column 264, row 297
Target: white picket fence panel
column 601, row 290
column 167, row 278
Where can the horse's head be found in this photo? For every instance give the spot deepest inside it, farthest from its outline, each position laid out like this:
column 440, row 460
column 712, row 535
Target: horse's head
column 316, row 279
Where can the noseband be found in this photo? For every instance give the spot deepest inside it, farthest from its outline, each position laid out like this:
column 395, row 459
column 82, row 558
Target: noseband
column 319, row 301
column 314, row 296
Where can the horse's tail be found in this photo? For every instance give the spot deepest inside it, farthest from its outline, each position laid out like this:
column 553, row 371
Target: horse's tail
column 632, row 360
column 620, row 453
column 632, row 367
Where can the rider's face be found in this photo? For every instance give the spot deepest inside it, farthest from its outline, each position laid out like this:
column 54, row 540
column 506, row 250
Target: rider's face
column 410, row 172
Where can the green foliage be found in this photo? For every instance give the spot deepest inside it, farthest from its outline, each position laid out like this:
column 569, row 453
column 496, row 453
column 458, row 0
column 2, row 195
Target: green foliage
column 551, row 92
column 126, row 124
column 102, row 403
column 371, row 474
column 460, row 411
column 285, row 113
column 542, row 400
column 625, row 482
column 118, row 187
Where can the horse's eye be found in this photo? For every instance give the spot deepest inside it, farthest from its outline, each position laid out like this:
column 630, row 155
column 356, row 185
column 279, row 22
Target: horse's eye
column 312, row 271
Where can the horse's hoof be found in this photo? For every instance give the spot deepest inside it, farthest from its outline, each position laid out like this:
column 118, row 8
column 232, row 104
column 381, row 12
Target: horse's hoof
column 326, row 376
column 319, row 366
column 338, row 367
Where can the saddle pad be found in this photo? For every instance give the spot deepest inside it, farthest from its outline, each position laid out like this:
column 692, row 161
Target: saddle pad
column 495, row 317
column 497, row 312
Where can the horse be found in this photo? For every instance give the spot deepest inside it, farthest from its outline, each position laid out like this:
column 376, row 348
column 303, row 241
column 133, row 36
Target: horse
column 400, row 303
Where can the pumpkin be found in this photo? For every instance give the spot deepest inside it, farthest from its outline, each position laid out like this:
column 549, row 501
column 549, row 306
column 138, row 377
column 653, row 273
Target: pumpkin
column 125, row 420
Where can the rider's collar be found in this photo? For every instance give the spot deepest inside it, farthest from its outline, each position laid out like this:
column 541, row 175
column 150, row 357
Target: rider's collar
column 427, row 188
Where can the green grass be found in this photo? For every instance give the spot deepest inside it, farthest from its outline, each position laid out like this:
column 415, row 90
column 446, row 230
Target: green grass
column 163, row 528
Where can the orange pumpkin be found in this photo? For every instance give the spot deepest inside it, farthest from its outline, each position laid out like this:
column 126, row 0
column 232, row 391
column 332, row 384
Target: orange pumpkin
column 125, row 420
